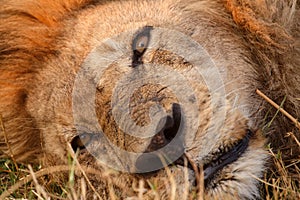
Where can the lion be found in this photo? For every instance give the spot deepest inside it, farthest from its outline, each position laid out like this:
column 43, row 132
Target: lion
column 155, row 90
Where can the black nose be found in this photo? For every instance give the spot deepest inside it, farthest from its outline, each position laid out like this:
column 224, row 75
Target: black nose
column 167, row 131
column 173, row 123
column 164, row 145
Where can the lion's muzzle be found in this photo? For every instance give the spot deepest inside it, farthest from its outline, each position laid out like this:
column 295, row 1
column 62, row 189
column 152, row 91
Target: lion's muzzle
column 166, row 146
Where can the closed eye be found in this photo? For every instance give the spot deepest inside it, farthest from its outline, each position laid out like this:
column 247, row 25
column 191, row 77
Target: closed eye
column 140, row 44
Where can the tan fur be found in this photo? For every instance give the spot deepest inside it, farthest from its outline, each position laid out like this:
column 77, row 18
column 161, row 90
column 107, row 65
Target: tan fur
column 43, row 45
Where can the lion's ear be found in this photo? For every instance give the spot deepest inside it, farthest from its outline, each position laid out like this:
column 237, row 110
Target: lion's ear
column 266, row 20
column 270, row 11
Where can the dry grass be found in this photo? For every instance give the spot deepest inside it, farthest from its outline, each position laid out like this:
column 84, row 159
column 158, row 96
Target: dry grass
column 281, row 182
column 27, row 182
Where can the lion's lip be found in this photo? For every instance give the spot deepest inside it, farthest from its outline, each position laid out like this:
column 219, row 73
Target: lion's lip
column 225, row 158
column 228, row 157
column 211, row 168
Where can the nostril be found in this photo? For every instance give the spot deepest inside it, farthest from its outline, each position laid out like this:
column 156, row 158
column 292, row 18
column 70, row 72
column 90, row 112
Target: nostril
column 169, row 122
column 173, row 123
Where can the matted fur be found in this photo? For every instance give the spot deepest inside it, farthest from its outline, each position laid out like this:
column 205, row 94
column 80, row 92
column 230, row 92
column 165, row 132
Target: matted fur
column 38, row 36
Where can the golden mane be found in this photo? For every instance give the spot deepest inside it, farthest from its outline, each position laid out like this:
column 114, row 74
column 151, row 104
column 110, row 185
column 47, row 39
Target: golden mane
column 27, row 33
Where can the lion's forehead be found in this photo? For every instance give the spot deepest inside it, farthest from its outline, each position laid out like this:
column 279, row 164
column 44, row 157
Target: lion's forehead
column 118, row 32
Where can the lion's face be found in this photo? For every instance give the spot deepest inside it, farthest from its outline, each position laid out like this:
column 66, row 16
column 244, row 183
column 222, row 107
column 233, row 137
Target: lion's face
column 139, row 89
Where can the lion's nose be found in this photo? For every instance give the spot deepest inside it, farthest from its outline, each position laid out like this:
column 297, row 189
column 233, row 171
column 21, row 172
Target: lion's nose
column 166, row 130
column 166, row 146
column 173, row 123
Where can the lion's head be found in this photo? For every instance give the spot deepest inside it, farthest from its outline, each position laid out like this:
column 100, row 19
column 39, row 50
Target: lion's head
column 156, row 90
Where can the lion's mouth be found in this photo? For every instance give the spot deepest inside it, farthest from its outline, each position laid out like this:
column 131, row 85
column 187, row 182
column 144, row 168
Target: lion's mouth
column 215, row 161
column 226, row 157
column 220, row 159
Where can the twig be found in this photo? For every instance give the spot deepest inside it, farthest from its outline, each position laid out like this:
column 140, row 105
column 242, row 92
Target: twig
column 199, row 177
column 141, row 189
column 170, row 176
column 294, row 120
column 39, row 189
column 186, row 179
column 290, row 134
column 82, row 171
